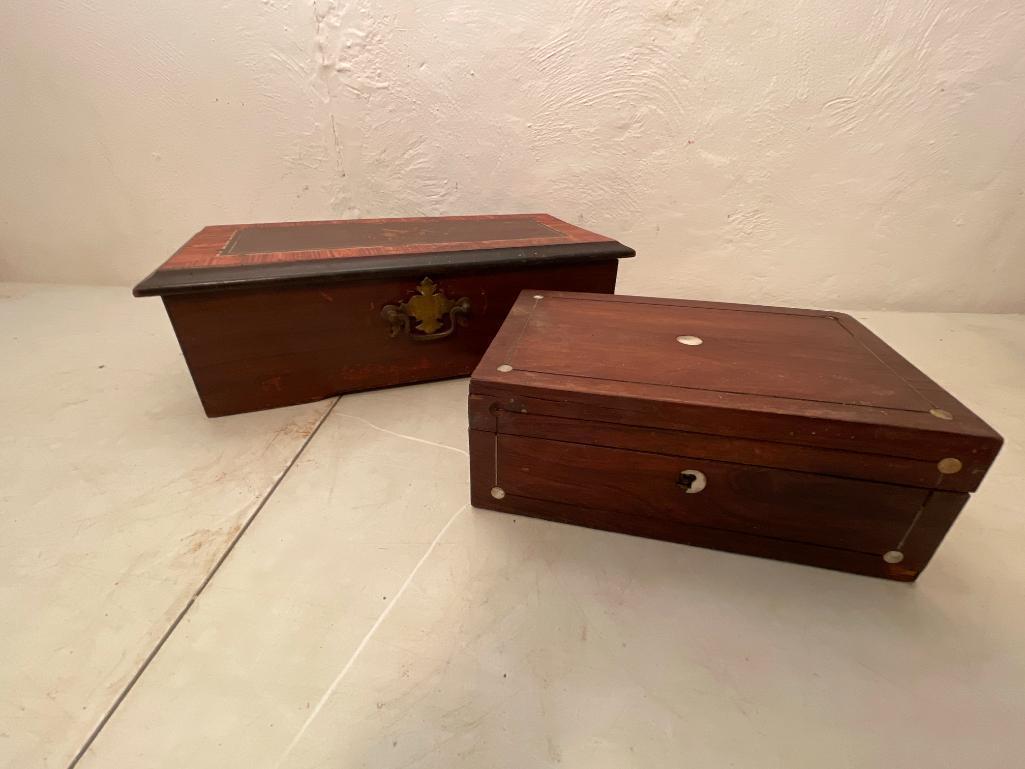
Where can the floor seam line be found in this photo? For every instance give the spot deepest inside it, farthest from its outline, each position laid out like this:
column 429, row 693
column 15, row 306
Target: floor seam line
column 196, row 593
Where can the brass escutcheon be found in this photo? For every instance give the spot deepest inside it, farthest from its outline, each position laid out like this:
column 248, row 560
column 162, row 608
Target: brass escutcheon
column 428, row 307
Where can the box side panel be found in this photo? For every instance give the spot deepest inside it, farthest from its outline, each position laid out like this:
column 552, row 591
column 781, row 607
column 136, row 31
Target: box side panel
column 929, row 528
column 263, row 348
column 922, row 526
column 482, row 469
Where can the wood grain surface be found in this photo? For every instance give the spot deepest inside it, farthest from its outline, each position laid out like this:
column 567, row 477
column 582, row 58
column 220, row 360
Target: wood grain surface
column 233, row 245
column 254, row 349
column 231, row 257
column 918, row 542
column 539, row 418
column 820, row 444
column 630, row 370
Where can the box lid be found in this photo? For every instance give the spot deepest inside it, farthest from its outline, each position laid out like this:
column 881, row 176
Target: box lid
column 243, row 255
column 789, row 376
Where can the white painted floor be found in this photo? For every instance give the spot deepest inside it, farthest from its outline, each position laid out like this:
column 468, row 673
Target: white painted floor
column 367, row 617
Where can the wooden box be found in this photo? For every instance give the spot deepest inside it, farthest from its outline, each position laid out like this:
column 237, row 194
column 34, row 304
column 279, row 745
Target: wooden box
column 783, row 433
column 276, row 314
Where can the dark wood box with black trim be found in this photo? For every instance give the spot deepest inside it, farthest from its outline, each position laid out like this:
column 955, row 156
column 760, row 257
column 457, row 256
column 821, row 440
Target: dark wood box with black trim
column 790, row 434
column 272, row 315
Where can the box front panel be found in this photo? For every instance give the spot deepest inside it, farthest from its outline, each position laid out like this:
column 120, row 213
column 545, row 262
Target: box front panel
column 817, row 509
column 255, row 349
column 874, row 529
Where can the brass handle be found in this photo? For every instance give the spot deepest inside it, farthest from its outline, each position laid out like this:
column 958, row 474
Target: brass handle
column 428, row 308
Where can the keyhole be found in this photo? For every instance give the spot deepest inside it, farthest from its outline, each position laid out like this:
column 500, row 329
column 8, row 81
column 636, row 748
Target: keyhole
column 691, row 481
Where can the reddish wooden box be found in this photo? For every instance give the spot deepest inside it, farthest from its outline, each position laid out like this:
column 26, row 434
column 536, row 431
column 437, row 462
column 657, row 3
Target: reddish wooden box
column 789, row 434
column 276, row 314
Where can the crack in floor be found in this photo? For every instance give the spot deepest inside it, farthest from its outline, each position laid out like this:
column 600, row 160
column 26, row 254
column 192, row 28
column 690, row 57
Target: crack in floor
column 385, row 430
column 366, row 639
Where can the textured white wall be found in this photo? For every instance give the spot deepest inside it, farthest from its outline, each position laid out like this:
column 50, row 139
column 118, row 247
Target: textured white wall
column 867, row 154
